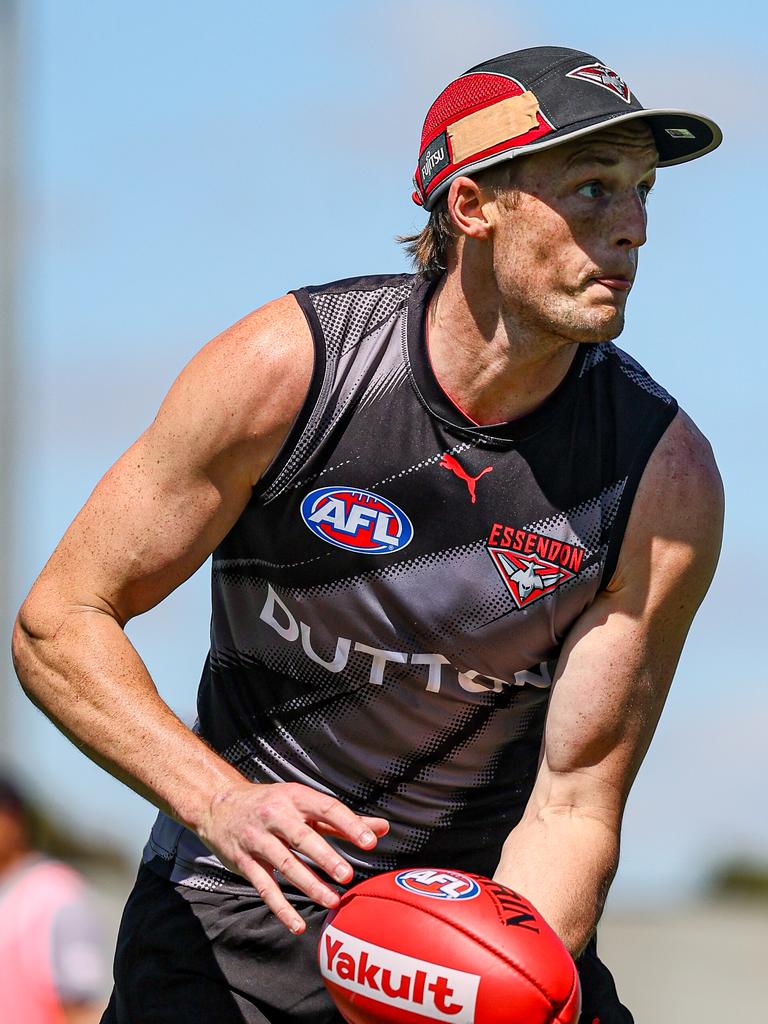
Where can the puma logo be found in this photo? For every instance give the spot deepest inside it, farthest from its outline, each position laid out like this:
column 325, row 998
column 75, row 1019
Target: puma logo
column 448, row 462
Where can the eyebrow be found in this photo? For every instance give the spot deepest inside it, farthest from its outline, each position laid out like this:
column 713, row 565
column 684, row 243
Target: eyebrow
column 584, row 156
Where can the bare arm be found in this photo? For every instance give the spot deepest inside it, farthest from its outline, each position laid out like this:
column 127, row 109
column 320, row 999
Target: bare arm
column 149, row 524
column 613, row 677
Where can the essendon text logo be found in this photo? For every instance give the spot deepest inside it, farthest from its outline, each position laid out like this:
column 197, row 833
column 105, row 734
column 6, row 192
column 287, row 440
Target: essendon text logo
column 406, row 982
column 603, row 76
column 532, row 564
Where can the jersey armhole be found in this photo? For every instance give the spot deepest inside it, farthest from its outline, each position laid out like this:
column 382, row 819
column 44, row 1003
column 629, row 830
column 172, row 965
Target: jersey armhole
column 299, row 424
column 644, row 451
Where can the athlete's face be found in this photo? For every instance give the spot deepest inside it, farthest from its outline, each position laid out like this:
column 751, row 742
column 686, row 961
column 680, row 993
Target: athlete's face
column 565, row 253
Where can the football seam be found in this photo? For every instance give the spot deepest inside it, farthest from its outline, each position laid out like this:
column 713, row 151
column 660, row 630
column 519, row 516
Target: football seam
column 481, row 942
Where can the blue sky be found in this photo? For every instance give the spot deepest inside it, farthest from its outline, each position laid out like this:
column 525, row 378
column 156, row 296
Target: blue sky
column 183, row 163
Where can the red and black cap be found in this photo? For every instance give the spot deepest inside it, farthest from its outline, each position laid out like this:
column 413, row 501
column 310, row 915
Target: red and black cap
column 530, row 100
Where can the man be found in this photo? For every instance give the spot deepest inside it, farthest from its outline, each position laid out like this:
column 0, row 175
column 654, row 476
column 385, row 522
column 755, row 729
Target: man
column 51, row 961
column 458, row 540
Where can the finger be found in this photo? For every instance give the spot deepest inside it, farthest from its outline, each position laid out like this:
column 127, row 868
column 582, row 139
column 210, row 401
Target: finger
column 344, row 822
column 379, row 826
column 306, row 840
column 299, row 874
column 265, row 885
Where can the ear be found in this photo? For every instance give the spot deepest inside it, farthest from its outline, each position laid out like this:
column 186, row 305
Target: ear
column 467, row 205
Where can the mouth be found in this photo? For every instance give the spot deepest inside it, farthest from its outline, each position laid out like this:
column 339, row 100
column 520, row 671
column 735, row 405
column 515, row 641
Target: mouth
column 616, row 282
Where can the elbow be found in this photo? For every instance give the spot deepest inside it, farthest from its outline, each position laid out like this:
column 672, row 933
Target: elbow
column 28, row 642
column 52, row 637
column 597, row 821
column 591, row 825
column 23, row 648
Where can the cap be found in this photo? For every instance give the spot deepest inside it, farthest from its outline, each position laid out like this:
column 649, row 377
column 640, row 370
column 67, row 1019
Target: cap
column 533, row 99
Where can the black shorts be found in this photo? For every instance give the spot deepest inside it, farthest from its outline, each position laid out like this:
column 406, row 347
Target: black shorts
column 185, row 955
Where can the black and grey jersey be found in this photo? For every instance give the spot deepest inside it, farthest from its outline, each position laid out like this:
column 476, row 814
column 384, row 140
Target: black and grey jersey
column 389, row 609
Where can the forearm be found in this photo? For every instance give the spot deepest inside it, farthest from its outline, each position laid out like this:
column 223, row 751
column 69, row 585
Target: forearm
column 563, row 861
column 82, row 671
column 77, row 665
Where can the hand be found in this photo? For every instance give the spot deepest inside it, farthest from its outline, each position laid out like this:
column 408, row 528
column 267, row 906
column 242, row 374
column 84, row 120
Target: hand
column 254, row 828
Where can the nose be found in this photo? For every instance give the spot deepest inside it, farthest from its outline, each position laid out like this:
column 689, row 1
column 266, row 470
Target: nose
column 630, row 231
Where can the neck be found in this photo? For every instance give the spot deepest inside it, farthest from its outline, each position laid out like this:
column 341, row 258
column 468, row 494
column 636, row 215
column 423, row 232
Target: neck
column 490, row 362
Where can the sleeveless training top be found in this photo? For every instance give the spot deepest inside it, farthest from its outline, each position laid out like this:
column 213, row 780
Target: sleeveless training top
column 389, row 609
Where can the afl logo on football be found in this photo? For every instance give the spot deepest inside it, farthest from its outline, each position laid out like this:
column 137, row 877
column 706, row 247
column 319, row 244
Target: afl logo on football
column 438, row 885
column 356, row 520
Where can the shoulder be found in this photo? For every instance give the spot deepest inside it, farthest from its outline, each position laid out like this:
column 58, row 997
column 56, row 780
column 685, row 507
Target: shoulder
column 682, row 465
column 272, row 345
column 675, row 526
column 240, row 393
column 259, row 370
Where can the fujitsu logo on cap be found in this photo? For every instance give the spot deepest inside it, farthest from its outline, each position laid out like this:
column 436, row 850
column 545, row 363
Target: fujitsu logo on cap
column 605, row 77
column 426, row 989
column 356, row 520
column 435, row 158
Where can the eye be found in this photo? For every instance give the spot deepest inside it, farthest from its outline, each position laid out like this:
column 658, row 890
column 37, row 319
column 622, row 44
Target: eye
column 592, row 190
column 644, row 190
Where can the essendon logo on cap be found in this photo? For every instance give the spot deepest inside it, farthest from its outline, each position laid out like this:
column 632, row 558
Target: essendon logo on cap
column 532, row 564
column 406, row 982
column 605, row 77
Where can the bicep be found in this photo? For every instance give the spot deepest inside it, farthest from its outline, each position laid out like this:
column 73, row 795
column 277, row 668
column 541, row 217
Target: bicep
column 618, row 661
column 150, row 522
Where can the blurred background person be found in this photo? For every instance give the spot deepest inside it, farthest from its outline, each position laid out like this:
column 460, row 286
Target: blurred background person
column 52, row 964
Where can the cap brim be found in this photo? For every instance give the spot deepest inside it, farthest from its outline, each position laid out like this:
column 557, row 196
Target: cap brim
column 673, row 149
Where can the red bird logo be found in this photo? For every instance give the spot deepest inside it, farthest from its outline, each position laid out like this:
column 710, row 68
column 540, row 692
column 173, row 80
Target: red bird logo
column 448, row 462
column 603, row 76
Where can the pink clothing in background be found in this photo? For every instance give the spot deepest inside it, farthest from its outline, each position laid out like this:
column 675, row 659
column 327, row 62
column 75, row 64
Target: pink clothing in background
column 33, row 960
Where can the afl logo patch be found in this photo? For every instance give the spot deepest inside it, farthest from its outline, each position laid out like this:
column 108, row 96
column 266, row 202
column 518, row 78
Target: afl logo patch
column 438, row 885
column 356, row 520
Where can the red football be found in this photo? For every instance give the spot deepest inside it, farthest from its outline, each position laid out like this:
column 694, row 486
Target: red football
column 427, row 944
